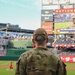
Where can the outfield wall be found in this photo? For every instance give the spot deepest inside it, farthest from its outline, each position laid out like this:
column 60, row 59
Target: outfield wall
column 15, row 53
column 8, row 58
column 12, row 54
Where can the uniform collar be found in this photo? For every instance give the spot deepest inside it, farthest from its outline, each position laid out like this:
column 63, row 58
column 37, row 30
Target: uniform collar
column 42, row 48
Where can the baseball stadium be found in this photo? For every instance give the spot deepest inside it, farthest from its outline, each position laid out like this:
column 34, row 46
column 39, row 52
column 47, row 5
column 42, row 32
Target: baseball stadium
column 14, row 40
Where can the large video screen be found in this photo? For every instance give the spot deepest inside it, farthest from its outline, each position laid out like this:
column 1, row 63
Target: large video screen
column 64, row 21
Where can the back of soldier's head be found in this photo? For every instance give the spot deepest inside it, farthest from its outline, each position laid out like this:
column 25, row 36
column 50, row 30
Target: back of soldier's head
column 40, row 35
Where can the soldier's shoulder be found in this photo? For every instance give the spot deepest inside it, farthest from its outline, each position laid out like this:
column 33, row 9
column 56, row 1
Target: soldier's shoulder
column 25, row 54
column 54, row 54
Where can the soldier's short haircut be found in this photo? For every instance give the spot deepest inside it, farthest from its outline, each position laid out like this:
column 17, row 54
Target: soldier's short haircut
column 40, row 35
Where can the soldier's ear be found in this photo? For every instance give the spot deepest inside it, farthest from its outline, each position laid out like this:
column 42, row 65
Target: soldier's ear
column 33, row 41
column 47, row 40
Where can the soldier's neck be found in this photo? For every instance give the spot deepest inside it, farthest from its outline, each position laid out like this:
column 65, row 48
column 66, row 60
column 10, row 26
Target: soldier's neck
column 40, row 46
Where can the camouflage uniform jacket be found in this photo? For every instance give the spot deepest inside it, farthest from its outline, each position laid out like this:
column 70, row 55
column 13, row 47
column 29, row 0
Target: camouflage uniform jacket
column 39, row 61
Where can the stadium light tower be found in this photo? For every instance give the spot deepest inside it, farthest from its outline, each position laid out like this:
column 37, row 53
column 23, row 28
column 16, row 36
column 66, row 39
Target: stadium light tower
column 7, row 27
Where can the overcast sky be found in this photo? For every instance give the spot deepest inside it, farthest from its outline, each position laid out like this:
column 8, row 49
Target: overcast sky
column 25, row 13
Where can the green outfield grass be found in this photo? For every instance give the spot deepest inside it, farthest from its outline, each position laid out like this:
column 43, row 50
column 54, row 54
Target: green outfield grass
column 69, row 66
column 5, row 71
column 61, row 25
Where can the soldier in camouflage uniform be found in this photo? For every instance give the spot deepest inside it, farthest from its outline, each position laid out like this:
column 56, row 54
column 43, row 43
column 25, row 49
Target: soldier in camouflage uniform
column 40, row 60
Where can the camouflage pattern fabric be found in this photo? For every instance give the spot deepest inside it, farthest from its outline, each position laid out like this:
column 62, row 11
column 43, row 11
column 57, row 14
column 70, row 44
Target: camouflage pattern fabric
column 39, row 61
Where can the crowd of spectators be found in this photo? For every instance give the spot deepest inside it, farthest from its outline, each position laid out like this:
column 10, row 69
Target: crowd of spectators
column 2, row 50
column 11, row 36
column 15, row 36
column 62, row 17
column 69, row 53
column 65, row 39
column 60, row 39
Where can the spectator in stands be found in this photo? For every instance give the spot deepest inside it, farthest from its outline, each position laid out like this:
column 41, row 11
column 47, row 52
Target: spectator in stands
column 1, row 48
column 16, row 37
column 2, row 36
column 8, row 37
column 22, row 37
column 73, row 39
column 69, row 40
column 28, row 38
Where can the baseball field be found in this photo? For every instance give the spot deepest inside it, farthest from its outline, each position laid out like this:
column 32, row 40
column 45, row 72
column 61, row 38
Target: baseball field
column 4, row 68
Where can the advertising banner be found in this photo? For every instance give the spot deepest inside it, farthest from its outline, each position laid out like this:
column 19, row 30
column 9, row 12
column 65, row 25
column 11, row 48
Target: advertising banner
column 48, row 26
column 47, row 15
column 68, row 58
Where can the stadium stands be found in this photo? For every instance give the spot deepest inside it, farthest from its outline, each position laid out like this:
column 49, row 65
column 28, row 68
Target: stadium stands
column 20, row 44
